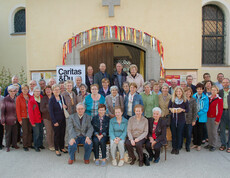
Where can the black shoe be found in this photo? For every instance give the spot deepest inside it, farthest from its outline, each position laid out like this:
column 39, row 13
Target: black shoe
column 0, row 147
column 42, row 147
column 177, row 152
column 64, row 151
column 25, row 149
column 133, row 161
column 173, row 151
column 207, row 147
column 212, row 148
column 58, row 154
column 188, row 149
column 37, row 149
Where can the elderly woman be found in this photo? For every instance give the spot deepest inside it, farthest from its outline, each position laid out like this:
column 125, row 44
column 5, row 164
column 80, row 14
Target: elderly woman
column 32, row 84
column 125, row 87
column 36, row 118
column 113, row 100
column 23, row 116
column 150, row 100
column 1, row 126
column 190, row 117
column 135, row 77
column 202, row 109
column 71, row 102
column 56, row 109
column 83, row 93
column 46, row 117
column 117, row 133
column 178, row 106
column 62, row 87
column 93, row 100
column 156, row 88
column 105, row 91
column 100, row 125
column 214, row 115
column 183, row 84
column 137, row 134
column 156, row 135
column 208, row 87
column 9, row 118
column 131, row 100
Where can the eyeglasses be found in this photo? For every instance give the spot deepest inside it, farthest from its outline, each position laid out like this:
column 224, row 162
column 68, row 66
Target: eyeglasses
column 12, row 91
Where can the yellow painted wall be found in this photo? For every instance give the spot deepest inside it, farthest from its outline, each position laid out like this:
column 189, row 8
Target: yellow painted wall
column 12, row 48
column 177, row 23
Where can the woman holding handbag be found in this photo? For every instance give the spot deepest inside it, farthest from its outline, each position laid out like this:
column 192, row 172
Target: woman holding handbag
column 56, row 108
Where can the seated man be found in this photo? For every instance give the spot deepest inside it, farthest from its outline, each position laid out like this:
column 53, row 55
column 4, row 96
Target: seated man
column 80, row 132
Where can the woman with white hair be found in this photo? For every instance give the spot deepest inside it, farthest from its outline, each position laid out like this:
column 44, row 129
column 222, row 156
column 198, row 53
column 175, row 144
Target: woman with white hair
column 32, row 84
column 113, row 100
column 135, row 77
column 35, row 117
column 178, row 106
column 156, row 135
column 9, row 118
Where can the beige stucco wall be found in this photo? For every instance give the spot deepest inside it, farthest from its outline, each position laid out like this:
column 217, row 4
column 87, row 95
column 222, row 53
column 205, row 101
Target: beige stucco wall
column 12, row 48
column 176, row 23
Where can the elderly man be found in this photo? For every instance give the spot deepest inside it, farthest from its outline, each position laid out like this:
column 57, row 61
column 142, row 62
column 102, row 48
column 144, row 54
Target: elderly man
column 183, row 84
column 119, row 77
column 189, row 79
column 101, row 74
column 89, row 77
column 80, row 132
column 42, row 84
column 173, row 86
column 225, row 119
column 14, row 80
column 76, row 89
column 220, row 78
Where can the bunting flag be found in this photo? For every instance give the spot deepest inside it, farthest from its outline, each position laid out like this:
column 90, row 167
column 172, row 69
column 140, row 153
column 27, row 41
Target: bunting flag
column 120, row 33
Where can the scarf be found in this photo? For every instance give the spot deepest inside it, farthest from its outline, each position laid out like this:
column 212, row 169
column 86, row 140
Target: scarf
column 131, row 97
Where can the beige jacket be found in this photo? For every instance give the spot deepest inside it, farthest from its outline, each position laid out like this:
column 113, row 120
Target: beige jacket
column 138, row 80
column 164, row 105
column 109, row 104
column 70, row 108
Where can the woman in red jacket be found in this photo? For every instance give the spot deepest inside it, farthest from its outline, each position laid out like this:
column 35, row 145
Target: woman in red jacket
column 214, row 115
column 23, row 116
column 36, row 118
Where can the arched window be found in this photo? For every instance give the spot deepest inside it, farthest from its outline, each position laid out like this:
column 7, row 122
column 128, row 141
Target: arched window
column 20, row 21
column 213, row 35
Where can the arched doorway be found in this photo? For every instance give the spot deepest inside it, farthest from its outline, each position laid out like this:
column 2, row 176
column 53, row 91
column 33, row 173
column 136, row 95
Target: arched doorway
column 110, row 54
column 100, row 41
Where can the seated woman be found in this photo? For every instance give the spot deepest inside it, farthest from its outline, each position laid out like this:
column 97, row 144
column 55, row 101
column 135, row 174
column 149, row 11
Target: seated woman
column 100, row 125
column 132, row 99
column 117, row 133
column 137, row 134
column 157, row 135
column 113, row 100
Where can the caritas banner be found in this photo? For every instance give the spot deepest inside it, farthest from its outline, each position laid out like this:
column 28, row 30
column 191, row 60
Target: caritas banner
column 70, row 72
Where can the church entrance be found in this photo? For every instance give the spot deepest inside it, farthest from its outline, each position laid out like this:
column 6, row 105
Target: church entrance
column 111, row 54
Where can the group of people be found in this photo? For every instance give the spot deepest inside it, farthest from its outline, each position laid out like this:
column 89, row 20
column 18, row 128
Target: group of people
column 121, row 110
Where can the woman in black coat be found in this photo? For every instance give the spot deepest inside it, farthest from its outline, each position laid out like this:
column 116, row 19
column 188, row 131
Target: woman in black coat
column 100, row 125
column 156, row 135
column 56, row 110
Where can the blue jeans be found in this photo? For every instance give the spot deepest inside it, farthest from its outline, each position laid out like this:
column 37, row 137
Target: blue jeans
column 225, row 121
column 80, row 140
column 188, row 130
column 177, row 133
column 38, row 135
column 97, row 143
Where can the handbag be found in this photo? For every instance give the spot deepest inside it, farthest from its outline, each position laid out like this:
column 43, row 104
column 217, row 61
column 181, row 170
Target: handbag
column 64, row 109
column 146, row 159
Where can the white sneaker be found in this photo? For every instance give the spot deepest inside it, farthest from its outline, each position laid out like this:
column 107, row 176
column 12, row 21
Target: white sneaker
column 52, row 149
column 121, row 163
column 114, row 162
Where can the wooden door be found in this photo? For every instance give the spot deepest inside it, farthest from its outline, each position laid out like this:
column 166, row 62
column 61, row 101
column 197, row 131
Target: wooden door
column 93, row 56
